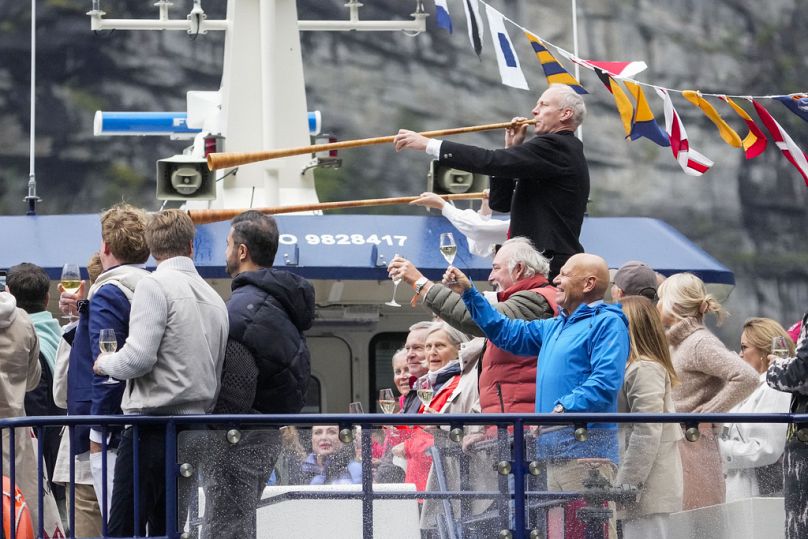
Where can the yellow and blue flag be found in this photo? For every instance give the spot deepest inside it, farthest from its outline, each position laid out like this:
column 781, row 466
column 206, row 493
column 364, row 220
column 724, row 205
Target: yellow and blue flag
column 643, row 124
column 553, row 70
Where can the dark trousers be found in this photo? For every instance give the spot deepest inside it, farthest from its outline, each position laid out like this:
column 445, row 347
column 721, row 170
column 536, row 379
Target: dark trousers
column 795, row 489
column 235, row 477
column 151, row 481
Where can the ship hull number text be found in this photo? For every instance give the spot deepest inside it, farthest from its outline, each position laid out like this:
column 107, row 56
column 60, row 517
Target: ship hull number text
column 345, row 239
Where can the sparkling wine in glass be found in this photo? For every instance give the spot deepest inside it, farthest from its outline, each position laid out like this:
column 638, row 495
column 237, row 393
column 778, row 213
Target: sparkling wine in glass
column 396, row 282
column 779, row 347
column 425, row 392
column 386, row 401
column 448, row 247
column 70, row 281
column 108, row 344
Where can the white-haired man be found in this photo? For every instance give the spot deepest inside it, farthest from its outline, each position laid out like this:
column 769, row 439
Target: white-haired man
column 543, row 182
column 519, row 277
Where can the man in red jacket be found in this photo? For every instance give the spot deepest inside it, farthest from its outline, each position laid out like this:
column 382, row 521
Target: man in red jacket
column 519, row 277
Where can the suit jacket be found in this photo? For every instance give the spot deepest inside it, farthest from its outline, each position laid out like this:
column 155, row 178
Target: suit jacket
column 543, row 183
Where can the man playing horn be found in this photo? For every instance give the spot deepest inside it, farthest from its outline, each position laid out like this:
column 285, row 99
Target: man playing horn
column 548, row 204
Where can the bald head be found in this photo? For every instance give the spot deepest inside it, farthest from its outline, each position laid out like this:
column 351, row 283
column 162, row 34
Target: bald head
column 583, row 279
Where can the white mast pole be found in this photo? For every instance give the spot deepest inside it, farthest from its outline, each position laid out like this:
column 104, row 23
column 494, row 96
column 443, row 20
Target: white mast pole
column 32, row 199
column 575, row 51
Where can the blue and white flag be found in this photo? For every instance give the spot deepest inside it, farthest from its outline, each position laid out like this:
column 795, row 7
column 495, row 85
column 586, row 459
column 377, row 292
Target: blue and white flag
column 509, row 69
column 442, row 17
column 475, row 25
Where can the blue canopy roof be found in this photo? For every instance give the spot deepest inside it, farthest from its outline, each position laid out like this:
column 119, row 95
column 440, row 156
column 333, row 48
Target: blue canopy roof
column 358, row 247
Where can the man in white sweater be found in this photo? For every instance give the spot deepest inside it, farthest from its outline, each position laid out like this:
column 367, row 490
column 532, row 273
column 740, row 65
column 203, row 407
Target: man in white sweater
column 171, row 361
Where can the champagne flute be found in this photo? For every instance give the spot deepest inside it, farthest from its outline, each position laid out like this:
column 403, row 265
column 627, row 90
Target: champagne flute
column 779, row 347
column 448, row 247
column 386, row 401
column 425, row 392
column 108, row 344
column 70, row 281
column 396, row 282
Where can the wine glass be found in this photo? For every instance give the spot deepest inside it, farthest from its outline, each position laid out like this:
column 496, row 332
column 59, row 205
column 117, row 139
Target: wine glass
column 396, row 282
column 386, row 401
column 425, row 392
column 70, row 281
column 779, row 347
column 448, row 247
column 108, row 344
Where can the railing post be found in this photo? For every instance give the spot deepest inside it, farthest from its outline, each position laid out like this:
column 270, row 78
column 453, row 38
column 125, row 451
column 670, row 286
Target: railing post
column 40, row 448
column 136, row 478
column 518, row 471
column 71, row 511
column 171, row 479
column 12, row 465
column 367, row 486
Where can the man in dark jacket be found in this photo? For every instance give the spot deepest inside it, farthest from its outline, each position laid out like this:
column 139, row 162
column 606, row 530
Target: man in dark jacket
column 269, row 310
column 543, row 182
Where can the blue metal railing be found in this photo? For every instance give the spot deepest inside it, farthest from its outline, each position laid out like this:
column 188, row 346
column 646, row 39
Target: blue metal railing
column 515, row 422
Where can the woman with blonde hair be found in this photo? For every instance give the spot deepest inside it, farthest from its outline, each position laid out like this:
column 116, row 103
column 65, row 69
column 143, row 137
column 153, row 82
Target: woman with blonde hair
column 752, row 451
column 713, row 379
column 649, row 451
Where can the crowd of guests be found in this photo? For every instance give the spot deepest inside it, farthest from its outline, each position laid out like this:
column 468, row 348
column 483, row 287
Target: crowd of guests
column 649, row 352
column 629, row 342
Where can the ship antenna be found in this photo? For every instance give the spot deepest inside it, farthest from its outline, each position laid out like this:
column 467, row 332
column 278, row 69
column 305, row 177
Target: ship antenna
column 32, row 199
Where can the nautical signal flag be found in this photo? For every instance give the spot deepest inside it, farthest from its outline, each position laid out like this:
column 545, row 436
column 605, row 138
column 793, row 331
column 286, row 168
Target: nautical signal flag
column 754, row 143
column 553, row 70
column 796, row 103
column 692, row 162
column 620, row 100
column 616, row 69
column 442, row 17
column 509, row 69
column 474, row 23
column 727, row 133
column 643, row 124
column 789, row 148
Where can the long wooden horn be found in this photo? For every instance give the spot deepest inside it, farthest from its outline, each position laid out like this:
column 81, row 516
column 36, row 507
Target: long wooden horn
column 201, row 217
column 234, row 159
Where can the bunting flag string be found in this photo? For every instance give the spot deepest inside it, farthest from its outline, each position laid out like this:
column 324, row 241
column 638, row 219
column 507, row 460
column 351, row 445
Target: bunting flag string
column 553, row 70
column 621, row 100
column 692, row 162
column 787, row 146
column 509, row 70
column 796, row 103
column 643, row 124
column 727, row 133
column 474, row 23
column 442, row 17
column 637, row 117
column 755, row 142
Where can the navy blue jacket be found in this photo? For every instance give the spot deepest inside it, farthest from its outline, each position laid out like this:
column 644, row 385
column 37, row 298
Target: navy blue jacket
column 109, row 309
column 269, row 310
column 80, row 380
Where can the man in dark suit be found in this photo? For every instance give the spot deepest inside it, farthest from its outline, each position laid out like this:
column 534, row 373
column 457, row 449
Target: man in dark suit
column 542, row 182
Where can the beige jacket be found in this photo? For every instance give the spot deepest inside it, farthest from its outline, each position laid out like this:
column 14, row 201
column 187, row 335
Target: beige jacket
column 713, row 378
column 19, row 373
column 649, row 451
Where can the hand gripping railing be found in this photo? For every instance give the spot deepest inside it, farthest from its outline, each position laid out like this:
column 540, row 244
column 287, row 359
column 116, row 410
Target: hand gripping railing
column 519, row 467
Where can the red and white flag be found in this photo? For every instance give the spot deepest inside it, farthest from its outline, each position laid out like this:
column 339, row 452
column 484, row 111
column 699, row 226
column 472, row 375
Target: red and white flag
column 789, row 148
column 621, row 70
column 692, row 162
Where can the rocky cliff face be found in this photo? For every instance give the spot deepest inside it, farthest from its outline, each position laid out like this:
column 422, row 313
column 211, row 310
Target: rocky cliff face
column 751, row 215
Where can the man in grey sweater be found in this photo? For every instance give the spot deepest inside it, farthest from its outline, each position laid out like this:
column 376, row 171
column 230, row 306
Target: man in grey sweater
column 172, row 362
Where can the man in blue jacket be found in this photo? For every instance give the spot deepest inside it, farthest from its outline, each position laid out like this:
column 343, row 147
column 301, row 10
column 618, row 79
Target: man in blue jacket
column 582, row 356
